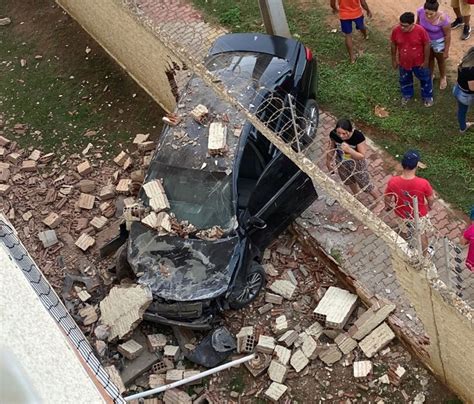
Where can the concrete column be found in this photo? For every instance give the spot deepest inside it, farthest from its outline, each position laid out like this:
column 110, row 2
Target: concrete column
column 274, row 17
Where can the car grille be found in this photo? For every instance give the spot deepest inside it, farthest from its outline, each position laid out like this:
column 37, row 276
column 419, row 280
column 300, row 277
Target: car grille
column 177, row 310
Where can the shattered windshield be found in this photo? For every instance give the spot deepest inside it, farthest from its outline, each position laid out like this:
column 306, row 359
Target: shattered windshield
column 203, row 198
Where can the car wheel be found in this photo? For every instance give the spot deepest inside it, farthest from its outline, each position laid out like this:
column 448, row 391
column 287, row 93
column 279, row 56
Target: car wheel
column 123, row 269
column 311, row 121
column 254, row 284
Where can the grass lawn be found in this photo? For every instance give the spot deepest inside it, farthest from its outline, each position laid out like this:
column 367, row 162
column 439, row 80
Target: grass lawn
column 355, row 90
column 61, row 91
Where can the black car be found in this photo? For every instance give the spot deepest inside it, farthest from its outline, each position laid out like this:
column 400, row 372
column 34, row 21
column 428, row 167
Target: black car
column 250, row 193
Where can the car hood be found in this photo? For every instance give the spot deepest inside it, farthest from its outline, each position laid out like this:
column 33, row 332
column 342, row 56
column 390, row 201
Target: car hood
column 181, row 269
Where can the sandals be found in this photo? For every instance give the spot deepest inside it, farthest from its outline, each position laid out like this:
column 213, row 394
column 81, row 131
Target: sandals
column 443, row 83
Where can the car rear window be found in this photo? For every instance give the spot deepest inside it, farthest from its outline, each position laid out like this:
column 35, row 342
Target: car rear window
column 203, row 198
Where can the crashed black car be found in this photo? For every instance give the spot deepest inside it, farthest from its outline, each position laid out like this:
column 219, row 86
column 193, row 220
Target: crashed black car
column 238, row 202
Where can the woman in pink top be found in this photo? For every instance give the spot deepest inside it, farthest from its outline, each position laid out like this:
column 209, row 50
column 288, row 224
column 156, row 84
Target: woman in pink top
column 438, row 28
column 468, row 238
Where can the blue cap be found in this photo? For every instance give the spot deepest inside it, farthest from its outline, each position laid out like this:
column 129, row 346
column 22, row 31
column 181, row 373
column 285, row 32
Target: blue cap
column 410, row 159
column 472, row 212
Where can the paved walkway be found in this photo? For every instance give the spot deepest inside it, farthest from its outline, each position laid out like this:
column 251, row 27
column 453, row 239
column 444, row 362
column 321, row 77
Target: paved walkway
column 361, row 252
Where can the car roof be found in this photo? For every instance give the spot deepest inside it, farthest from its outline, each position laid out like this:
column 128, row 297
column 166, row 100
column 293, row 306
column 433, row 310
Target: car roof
column 186, row 144
column 281, row 47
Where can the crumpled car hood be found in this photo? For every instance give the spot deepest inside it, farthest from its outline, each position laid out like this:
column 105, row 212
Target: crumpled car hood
column 181, row 269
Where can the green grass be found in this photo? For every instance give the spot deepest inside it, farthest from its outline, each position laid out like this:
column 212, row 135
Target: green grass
column 354, row 91
column 60, row 101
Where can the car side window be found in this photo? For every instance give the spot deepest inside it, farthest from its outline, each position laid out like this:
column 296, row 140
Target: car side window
column 275, row 176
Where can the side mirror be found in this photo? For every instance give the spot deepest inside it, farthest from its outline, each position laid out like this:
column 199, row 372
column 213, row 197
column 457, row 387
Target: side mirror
column 254, row 222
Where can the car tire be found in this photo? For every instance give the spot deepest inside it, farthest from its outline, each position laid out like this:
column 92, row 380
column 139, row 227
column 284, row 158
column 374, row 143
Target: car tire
column 311, row 122
column 123, row 269
column 254, row 284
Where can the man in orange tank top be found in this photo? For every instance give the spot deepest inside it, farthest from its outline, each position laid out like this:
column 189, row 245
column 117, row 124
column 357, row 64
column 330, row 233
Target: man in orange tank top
column 350, row 11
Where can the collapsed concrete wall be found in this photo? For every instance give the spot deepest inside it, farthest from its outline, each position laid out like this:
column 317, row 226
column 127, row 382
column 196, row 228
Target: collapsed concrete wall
column 447, row 321
column 129, row 43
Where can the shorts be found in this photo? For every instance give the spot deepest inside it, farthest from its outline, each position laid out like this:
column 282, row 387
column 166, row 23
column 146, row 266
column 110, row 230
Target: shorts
column 463, row 7
column 407, row 226
column 437, row 45
column 346, row 25
column 355, row 172
column 462, row 96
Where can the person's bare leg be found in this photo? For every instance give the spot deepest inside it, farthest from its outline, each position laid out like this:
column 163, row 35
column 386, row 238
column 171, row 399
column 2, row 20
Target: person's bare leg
column 442, row 70
column 424, row 243
column 364, row 33
column 431, row 62
column 467, row 19
column 350, row 47
column 354, row 188
column 457, row 11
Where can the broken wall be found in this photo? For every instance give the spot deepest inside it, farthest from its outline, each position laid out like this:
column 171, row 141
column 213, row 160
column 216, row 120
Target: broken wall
column 451, row 333
column 129, row 43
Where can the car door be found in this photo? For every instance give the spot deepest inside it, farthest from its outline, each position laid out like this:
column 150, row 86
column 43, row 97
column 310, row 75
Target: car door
column 281, row 194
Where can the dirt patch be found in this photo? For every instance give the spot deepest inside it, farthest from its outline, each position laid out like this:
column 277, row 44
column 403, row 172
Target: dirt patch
column 43, row 27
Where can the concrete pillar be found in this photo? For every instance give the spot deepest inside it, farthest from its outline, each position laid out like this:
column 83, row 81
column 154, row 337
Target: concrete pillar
column 274, row 17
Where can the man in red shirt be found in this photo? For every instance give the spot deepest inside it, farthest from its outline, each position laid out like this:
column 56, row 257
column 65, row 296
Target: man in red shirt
column 410, row 53
column 403, row 189
column 350, row 11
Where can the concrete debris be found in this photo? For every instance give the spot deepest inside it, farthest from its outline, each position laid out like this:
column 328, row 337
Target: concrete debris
column 171, row 352
column 98, row 222
column 258, row 364
column 288, row 338
column 53, row 220
column 162, row 366
column 245, row 340
column 362, row 369
column 309, row 347
column 115, row 378
column 270, row 270
column 87, row 186
column 330, row 354
column 5, row 21
column 273, row 299
column 84, row 295
column 155, row 381
column 146, row 146
column 140, row 138
column 122, row 310
column 281, row 325
column 175, row 396
column 298, row 360
column 107, row 192
column 84, row 242
column 277, row 372
column 199, row 113
column 157, row 196
column 174, row 375
column 123, row 187
column 84, row 168
column 282, row 354
column 86, row 201
column 345, row 343
column 369, row 320
column 283, row 288
column 156, row 342
column 315, row 330
column 395, row 374
column 130, row 349
column 121, row 158
column 48, row 238
column 217, row 141
column 376, row 340
column 88, row 314
column 335, row 307
column 102, row 332
column 275, row 391
column 266, row 344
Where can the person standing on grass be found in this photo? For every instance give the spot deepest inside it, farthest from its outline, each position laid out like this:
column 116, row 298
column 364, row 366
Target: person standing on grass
column 350, row 148
column 438, row 28
column 468, row 238
column 462, row 9
column 464, row 89
column 400, row 192
column 350, row 11
column 410, row 53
